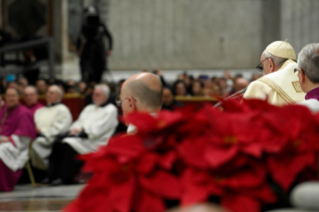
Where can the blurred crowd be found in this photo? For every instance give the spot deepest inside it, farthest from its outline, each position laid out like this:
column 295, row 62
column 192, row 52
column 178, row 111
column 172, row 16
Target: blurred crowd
column 185, row 85
column 205, row 86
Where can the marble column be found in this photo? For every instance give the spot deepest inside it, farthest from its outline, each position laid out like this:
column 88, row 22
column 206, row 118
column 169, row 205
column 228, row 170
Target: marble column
column 66, row 62
column 0, row 14
column 299, row 20
column 271, row 15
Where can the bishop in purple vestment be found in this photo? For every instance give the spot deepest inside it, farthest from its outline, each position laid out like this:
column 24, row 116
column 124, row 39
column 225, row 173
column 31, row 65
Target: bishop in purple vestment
column 308, row 74
column 17, row 129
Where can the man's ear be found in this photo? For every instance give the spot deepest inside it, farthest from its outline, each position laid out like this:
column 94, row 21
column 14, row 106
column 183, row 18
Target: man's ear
column 131, row 103
column 302, row 75
column 271, row 65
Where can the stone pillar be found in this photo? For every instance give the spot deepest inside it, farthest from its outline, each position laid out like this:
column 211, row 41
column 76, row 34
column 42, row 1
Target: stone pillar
column 271, row 16
column 299, row 22
column 104, row 7
column 60, row 29
column 0, row 14
column 66, row 63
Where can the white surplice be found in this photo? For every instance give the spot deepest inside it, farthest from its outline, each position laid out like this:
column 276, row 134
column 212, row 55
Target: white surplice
column 52, row 121
column 15, row 156
column 312, row 104
column 99, row 123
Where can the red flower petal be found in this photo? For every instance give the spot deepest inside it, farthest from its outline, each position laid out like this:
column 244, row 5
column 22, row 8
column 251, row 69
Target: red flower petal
column 162, row 184
column 193, row 191
column 146, row 163
column 166, row 161
column 249, row 178
column 146, row 202
column 253, row 149
column 264, row 193
column 121, row 196
column 219, row 156
column 125, row 147
column 240, row 203
column 285, row 168
column 192, row 152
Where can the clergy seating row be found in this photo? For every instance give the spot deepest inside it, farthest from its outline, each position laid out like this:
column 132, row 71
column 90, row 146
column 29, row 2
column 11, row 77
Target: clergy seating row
column 76, row 103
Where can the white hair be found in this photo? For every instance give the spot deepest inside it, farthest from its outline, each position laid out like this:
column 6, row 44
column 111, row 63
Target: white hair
column 278, row 61
column 308, row 61
column 58, row 90
column 32, row 87
column 105, row 89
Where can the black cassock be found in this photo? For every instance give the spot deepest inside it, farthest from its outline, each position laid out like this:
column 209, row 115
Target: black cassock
column 63, row 162
column 94, row 58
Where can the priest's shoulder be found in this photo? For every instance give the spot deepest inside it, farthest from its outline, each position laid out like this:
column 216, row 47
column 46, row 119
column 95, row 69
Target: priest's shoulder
column 285, row 71
column 89, row 107
column 62, row 107
column 255, row 89
column 110, row 106
column 311, row 104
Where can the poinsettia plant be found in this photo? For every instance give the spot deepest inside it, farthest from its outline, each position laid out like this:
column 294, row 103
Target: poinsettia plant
column 188, row 158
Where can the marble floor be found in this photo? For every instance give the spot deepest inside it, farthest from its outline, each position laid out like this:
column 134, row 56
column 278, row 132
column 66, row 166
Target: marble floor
column 52, row 199
column 40, row 199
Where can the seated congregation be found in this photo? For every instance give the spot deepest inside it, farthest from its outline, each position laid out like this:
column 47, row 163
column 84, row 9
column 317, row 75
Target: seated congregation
column 47, row 136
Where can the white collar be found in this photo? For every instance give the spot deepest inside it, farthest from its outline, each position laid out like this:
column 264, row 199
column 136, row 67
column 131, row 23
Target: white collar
column 131, row 129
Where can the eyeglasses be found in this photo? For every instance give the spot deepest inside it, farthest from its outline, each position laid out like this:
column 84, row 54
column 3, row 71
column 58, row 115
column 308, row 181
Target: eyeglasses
column 296, row 71
column 118, row 101
column 260, row 67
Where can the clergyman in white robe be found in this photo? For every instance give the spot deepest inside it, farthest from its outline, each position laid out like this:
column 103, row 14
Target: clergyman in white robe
column 94, row 127
column 99, row 123
column 52, row 120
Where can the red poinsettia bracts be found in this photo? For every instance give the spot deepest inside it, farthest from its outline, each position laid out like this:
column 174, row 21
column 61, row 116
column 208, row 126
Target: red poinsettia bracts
column 125, row 178
column 192, row 157
column 298, row 152
column 248, row 181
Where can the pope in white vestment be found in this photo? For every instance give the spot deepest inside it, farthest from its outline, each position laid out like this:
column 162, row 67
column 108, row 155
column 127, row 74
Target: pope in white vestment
column 279, row 85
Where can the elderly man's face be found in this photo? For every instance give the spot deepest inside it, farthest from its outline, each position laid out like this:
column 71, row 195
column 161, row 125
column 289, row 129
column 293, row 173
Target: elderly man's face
column 30, row 96
column 266, row 63
column 99, row 97
column 52, row 95
column 12, row 97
